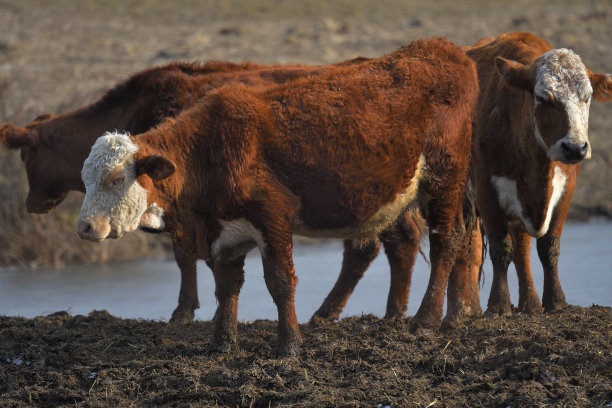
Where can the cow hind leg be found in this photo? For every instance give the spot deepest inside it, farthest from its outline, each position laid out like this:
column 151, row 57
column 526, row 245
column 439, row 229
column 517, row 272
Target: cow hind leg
column 356, row 259
column 446, row 231
column 188, row 295
column 401, row 247
column 462, row 294
column 229, row 277
column 529, row 301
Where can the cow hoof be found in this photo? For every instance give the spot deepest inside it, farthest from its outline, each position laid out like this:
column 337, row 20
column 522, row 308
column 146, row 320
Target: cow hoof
column 182, row 316
column 555, row 305
column 420, row 326
column 223, row 346
column 531, row 306
column 286, row 351
column 499, row 310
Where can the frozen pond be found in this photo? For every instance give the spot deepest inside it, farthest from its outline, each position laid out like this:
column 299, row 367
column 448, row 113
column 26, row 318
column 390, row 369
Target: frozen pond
column 149, row 289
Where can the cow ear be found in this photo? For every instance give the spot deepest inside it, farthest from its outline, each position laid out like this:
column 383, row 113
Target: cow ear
column 156, row 167
column 514, row 74
column 44, row 116
column 602, row 86
column 14, row 137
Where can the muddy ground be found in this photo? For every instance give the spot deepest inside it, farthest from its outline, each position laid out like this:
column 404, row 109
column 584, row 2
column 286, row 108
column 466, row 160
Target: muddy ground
column 562, row 359
column 58, row 55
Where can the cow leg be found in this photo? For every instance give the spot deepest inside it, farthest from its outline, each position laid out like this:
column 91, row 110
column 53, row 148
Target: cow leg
column 553, row 297
column 501, row 255
column 188, row 295
column 402, row 247
column 229, row 276
column 280, row 278
column 446, row 231
column 549, row 248
column 529, row 302
column 356, row 260
column 462, row 295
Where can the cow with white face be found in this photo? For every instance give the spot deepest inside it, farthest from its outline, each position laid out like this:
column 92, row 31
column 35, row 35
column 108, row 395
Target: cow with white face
column 115, row 203
column 250, row 166
column 530, row 136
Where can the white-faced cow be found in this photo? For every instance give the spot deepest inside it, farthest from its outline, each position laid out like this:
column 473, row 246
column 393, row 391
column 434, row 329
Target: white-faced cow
column 340, row 155
column 530, row 136
column 53, row 148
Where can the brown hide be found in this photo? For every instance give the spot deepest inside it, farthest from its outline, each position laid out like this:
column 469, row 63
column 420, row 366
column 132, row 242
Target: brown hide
column 504, row 145
column 54, row 160
column 320, row 156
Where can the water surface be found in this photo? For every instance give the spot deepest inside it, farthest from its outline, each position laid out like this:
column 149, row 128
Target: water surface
column 148, row 289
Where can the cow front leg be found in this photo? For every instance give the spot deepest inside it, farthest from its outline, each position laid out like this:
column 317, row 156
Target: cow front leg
column 188, row 295
column 499, row 298
column 229, row 277
column 529, row 301
column 356, row 259
column 553, row 297
column 280, row 279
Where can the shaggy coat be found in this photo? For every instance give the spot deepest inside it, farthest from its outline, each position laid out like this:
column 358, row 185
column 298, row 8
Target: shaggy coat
column 53, row 148
column 340, row 155
column 530, row 136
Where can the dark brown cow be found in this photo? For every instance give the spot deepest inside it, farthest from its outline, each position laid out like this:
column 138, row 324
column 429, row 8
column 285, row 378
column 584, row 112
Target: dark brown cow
column 530, row 136
column 53, row 148
column 340, row 155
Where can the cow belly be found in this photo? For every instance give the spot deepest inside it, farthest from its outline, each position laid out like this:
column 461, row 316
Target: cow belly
column 384, row 217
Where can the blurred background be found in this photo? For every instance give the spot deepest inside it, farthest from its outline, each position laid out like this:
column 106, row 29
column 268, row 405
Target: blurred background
column 58, row 55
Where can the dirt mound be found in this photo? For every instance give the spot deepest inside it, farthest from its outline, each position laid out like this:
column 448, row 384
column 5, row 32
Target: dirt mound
column 558, row 359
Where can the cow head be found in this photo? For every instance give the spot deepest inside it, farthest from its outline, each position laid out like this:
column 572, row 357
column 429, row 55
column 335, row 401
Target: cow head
column 562, row 88
column 47, row 178
column 115, row 201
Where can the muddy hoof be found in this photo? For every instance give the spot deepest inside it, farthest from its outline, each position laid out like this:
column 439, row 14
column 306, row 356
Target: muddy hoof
column 531, row 306
column 222, row 346
column 287, row 349
column 420, row 326
column 555, row 305
column 499, row 310
column 182, row 316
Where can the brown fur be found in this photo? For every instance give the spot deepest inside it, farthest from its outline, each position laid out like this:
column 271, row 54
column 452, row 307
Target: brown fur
column 53, row 148
column 320, row 154
column 504, row 145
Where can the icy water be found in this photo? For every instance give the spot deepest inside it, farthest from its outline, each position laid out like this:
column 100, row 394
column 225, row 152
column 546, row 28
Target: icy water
column 148, row 289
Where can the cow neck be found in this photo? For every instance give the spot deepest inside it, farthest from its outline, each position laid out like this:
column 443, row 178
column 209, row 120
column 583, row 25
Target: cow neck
column 531, row 167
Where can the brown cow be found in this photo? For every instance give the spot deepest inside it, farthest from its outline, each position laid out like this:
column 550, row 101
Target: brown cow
column 340, row 155
column 53, row 148
column 530, row 136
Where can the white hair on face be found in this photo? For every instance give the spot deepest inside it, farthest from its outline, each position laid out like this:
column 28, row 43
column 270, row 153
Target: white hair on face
column 561, row 73
column 110, row 151
column 116, row 207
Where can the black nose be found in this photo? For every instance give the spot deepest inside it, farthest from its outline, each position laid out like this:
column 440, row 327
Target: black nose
column 574, row 151
column 83, row 229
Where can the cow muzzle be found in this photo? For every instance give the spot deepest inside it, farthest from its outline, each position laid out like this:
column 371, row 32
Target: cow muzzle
column 575, row 152
column 93, row 229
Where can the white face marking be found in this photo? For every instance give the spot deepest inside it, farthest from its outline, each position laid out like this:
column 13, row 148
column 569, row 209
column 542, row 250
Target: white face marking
column 386, row 215
column 507, row 195
column 235, row 232
column 561, row 73
column 114, row 201
column 153, row 218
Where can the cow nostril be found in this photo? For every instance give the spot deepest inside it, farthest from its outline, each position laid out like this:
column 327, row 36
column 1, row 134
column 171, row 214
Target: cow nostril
column 83, row 229
column 585, row 148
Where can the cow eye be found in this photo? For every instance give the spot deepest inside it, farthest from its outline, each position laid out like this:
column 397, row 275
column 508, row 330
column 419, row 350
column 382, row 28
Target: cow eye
column 117, row 181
